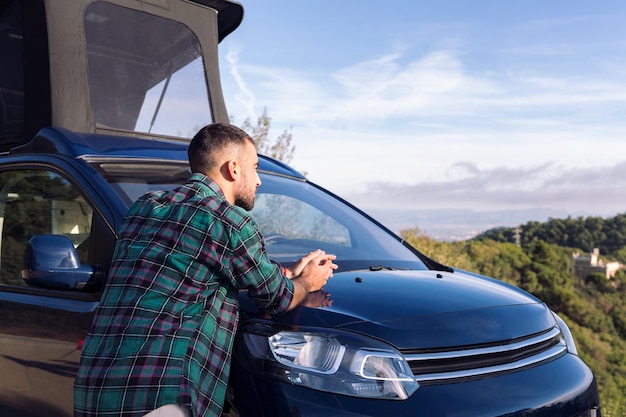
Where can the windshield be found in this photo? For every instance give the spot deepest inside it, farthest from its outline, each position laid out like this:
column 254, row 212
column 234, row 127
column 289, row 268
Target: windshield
column 146, row 73
column 294, row 217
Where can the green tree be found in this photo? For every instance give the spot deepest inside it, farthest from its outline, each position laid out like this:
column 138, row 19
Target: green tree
column 280, row 148
column 447, row 253
column 608, row 235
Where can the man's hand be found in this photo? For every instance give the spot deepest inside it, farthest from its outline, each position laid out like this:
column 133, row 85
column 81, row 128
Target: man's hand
column 317, row 271
column 314, row 270
column 296, row 269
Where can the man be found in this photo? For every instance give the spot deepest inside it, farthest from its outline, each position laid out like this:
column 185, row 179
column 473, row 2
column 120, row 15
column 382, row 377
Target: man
column 162, row 336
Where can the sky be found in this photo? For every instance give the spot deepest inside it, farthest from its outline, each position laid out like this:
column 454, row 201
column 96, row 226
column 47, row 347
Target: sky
column 486, row 106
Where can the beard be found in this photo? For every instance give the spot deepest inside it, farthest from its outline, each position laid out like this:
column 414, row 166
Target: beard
column 245, row 202
column 244, row 198
column 245, row 192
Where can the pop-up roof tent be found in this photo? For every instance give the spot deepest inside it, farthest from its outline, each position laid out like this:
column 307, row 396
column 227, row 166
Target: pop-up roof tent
column 121, row 67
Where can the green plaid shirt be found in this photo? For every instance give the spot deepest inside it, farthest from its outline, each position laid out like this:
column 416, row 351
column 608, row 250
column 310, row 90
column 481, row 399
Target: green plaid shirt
column 164, row 329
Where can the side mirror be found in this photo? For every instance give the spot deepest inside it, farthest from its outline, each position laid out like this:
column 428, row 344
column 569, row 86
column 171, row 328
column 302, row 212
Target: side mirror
column 50, row 261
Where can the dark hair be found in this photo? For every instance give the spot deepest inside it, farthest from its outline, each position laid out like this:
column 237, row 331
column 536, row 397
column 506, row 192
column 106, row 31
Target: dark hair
column 210, row 141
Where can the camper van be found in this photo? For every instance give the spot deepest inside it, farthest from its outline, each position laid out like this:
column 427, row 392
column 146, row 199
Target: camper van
column 98, row 100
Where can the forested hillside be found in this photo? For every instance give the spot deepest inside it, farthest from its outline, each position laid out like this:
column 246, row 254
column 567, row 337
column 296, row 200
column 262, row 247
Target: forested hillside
column 585, row 233
column 594, row 307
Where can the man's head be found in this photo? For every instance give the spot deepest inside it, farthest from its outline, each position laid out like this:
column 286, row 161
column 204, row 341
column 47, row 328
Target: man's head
column 227, row 155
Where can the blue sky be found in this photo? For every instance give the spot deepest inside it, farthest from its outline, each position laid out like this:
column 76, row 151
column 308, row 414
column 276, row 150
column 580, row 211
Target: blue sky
column 482, row 105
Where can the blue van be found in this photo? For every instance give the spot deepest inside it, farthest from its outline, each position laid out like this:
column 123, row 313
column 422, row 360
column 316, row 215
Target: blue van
column 97, row 102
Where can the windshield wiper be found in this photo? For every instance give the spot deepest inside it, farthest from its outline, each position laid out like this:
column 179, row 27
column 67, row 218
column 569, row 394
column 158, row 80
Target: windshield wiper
column 387, row 268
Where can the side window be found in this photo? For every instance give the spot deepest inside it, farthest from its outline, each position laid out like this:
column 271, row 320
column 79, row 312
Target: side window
column 36, row 202
column 11, row 73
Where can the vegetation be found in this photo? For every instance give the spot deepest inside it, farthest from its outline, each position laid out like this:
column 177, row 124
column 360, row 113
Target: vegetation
column 280, row 148
column 608, row 235
column 593, row 306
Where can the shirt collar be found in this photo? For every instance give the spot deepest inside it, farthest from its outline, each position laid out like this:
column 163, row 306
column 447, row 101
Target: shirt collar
column 206, row 184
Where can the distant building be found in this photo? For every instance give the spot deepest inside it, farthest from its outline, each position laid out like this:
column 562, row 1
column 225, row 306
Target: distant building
column 587, row 264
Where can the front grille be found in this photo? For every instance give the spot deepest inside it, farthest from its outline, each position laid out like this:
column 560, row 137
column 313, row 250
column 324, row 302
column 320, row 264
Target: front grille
column 432, row 366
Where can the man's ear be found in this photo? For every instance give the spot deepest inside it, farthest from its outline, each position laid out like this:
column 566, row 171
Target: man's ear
column 233, row 170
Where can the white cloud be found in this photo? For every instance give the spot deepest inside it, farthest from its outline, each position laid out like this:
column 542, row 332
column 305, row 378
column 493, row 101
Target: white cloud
column 436, row 86
column 596, row 189
column 427, row 132
column 244, row 96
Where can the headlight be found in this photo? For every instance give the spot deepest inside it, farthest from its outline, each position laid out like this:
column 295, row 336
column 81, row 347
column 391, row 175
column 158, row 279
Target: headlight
column 567, row 334
column 308, row 352
column 331, row 361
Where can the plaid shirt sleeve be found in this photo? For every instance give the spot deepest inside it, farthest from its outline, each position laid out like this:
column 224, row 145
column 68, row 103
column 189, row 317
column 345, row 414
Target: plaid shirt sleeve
column 254, row 271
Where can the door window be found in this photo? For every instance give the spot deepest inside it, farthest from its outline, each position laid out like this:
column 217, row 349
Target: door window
column 34, row 202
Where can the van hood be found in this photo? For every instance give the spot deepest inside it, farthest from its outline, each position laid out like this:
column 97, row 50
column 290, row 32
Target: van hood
column 425, row 309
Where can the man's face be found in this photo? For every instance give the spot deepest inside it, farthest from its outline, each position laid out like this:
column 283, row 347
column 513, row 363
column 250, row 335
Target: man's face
column 249, row 180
